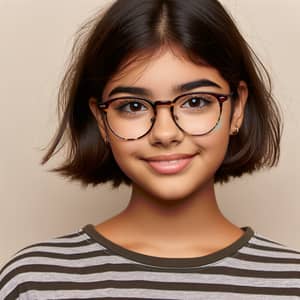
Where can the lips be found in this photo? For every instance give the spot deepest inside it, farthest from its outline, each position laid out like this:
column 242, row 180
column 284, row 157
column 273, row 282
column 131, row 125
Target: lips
column 169, row 164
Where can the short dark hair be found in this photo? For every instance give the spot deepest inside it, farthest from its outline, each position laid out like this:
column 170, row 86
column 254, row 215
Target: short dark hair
column 203, row 30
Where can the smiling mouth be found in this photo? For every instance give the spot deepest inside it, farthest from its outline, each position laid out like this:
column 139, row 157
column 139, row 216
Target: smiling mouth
column 171, row 164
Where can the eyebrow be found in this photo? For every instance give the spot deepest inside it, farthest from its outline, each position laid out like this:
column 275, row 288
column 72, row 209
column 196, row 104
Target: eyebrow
column 177, row 89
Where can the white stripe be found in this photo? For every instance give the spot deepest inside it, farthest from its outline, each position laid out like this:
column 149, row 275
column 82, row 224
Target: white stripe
column 274, row 254
column 158, row 277
column 150, row 294
column 255, row 241
column 273, row 244
column 62, row 250
column 259, row 266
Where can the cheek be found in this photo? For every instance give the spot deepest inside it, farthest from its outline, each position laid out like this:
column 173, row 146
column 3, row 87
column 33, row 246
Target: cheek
column 214, row 145
column 122, row 147
column 121, row 157
column 119, row 150
column 124, row 152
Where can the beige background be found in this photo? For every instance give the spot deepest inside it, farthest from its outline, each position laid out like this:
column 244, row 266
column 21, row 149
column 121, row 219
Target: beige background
column 35, row 205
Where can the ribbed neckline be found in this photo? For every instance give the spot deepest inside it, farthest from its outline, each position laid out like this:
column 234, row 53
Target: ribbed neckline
column 180, row 262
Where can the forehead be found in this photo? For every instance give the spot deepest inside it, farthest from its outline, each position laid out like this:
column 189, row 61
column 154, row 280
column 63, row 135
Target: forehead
column 161, row 71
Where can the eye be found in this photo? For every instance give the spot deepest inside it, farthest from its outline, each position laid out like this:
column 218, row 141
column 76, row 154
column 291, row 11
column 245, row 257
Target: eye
column 197, row 101
column 131, row 106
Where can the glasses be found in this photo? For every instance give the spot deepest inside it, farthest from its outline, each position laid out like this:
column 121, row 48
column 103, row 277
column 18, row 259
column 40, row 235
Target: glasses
column 131, row 118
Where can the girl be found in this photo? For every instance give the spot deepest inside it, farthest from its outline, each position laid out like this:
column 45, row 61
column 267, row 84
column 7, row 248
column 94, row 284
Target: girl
column 165, row 96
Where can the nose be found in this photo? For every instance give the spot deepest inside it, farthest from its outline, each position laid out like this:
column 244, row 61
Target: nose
column 165, row 132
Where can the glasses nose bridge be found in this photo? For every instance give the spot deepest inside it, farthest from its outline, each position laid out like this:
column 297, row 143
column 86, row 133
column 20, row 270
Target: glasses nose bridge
column 169, row 103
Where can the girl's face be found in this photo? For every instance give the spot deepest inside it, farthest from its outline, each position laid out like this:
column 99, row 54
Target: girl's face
column 167, row 163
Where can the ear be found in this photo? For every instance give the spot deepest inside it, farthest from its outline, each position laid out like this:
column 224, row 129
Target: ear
column 98, row 116
column 239, row 107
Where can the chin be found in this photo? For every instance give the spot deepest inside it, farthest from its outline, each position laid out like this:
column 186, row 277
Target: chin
column 177, row 194
column 171, row 197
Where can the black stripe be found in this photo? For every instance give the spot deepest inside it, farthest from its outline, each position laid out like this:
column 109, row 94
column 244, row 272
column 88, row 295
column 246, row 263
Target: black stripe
column 267, row 240
column 57, row 238
column 267, row 248
column 115, row 298
column 165, row 286
column 72, row 235
column 66, row 256
column 267, row 259
column 251, row 273
column 85, row 242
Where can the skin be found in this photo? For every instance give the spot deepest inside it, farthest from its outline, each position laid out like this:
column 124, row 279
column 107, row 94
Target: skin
column 173, row 215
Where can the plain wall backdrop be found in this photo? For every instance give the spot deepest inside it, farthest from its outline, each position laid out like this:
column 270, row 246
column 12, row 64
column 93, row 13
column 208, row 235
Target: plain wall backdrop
column 36, row 37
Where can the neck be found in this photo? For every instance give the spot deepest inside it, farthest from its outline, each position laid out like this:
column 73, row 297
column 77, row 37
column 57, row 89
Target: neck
column 197, row 217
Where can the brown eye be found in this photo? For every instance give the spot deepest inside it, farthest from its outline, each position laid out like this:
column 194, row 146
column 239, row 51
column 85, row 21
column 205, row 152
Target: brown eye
column 196, row 102
column 131, row 107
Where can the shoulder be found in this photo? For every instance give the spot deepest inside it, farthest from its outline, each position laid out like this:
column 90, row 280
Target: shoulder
column 263, row 243
column 265, row 267
column 267, row 254
column 38, row 263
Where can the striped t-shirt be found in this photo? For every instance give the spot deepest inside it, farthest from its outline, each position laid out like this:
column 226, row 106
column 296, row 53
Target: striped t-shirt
column 87, row 265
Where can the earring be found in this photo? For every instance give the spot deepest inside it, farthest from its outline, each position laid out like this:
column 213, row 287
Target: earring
column 106, row 141
column 236, row 131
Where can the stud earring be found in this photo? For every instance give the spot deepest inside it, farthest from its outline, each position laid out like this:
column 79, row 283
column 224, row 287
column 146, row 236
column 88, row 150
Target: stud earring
column 235, row 131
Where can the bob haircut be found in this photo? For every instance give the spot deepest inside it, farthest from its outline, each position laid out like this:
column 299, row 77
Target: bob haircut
column 134, row 30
